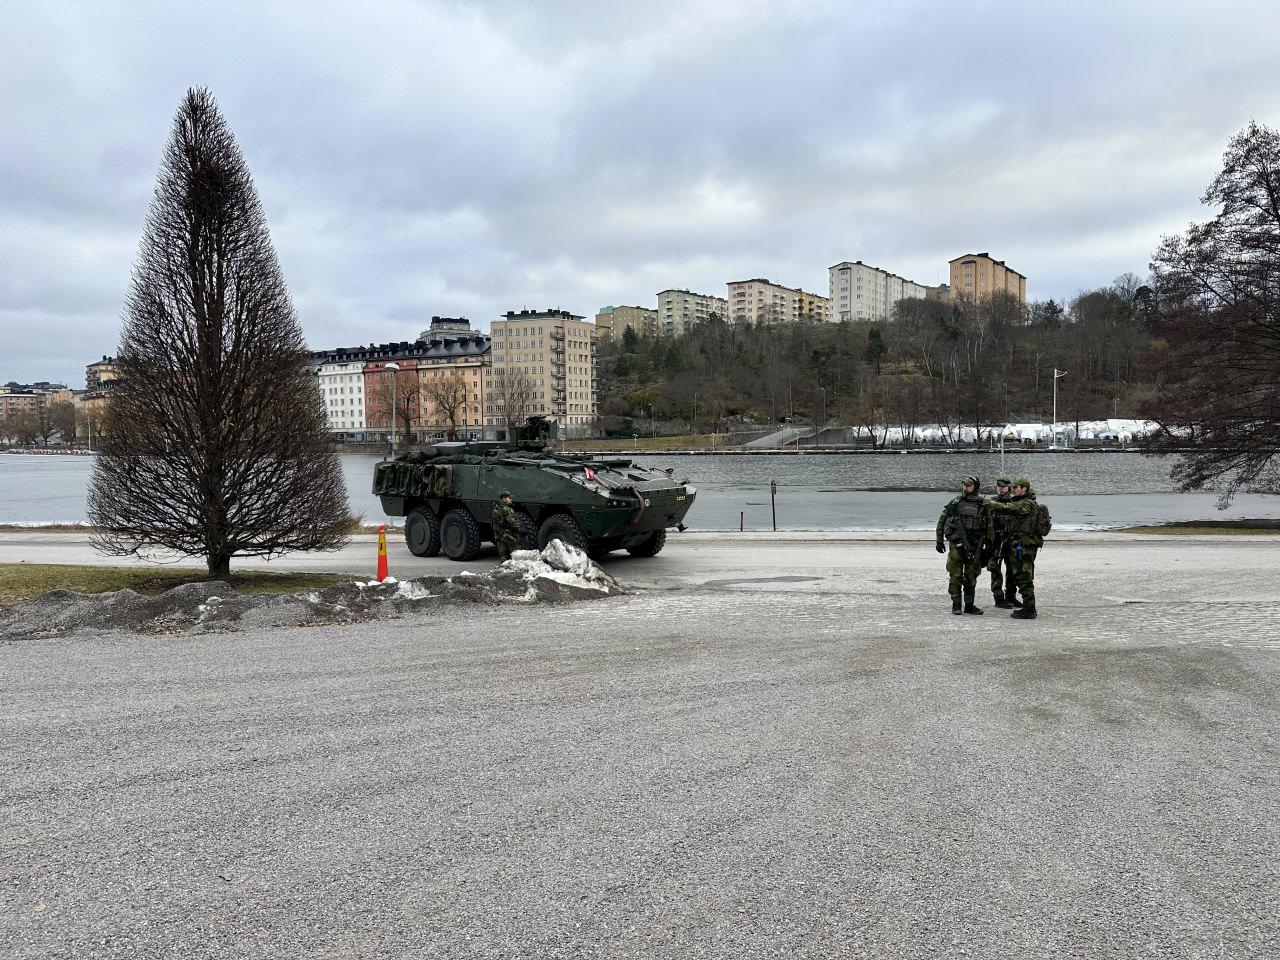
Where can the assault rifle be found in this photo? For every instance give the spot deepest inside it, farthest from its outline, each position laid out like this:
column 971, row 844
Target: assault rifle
column 962, row 534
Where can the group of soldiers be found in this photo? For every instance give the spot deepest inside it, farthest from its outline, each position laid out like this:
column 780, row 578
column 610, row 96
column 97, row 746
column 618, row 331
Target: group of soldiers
column 1000, row 532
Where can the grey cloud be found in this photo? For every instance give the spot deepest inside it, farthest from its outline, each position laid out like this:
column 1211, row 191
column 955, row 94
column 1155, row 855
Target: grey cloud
column 463, row 158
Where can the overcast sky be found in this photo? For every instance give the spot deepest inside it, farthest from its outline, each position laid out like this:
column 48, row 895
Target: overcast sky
column 420, row 158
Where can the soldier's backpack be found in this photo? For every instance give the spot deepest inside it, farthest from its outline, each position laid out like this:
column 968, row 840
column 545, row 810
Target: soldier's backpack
column 1043, row 521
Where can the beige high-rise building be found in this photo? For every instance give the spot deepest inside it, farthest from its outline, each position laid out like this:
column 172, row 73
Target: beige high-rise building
column 761, row 301
column 556, row 350
column 100, row 372
column 860, row 291
column 678, row 310
column 611, row 321
column 976, row 275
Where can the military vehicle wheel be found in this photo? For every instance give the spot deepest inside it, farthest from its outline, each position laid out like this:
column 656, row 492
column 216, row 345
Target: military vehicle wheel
column 562, row 527
column 422, row 533
column 650, row 545
column 460, row 535
column 528, row 531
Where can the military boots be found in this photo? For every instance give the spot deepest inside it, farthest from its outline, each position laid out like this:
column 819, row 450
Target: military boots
column 956, row 608
column 968, row 604
column 1004, row 604
column 1012, row 597
column 1026, row 613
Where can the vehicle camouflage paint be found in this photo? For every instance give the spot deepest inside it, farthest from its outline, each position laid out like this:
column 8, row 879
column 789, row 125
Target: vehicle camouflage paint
column 447, row 493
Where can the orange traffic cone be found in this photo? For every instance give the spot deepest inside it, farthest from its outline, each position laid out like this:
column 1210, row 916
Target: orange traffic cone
column 382, row 552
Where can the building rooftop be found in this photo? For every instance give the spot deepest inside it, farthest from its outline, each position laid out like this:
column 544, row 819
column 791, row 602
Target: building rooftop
column 555, row 314
column 987, row 256
column 436, row 348
column 711, row 296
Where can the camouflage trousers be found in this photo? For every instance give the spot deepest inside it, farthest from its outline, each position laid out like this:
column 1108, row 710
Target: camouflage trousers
column 1023, row 561
column 963, row 574
column 1002, row 584
column 506, row 545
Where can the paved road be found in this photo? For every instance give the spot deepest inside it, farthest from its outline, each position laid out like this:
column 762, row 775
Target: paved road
column 788, row 750
column 838, row 559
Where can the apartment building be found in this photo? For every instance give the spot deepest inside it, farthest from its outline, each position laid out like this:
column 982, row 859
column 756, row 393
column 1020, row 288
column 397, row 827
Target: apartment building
column 977, row 275
column 678, row 310
column 860, row 291
column 100, row 372
column 762, row 301
column 447, row 328
column 466, row 361
column 612, row 321
column 556, row 350
column 341, row 381
column 356, row 384
column 20, row 402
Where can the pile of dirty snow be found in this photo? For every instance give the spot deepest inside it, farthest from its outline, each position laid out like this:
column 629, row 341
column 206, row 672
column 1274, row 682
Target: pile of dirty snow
column 559, row 574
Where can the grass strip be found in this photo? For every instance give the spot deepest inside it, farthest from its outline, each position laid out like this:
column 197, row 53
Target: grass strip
column 24, row 581
column 1207, row 528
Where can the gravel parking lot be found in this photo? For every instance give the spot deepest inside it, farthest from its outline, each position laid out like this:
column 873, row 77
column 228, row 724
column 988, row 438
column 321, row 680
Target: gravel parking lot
column 777, row 748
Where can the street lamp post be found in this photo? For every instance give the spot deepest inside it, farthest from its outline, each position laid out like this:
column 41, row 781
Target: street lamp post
column 695, row 412
column 1056, row 375
column 1115, row 401
column 824, row 407
column 395, row 367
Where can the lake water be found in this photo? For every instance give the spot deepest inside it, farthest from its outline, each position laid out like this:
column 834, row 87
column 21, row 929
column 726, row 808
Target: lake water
column 815, row 491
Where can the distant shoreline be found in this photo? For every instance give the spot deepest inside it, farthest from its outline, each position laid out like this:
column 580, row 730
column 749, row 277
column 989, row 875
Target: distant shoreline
column 844, row 451
column 726, row 451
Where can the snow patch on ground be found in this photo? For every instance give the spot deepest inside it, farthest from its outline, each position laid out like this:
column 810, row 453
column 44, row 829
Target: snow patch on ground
column 561, row 563
column 559, row 574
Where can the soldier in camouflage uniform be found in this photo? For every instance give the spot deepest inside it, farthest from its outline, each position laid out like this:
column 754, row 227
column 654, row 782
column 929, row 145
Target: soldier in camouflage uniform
column 506, row 527
column 1002, row 585
column 965, row 524
column 1024, row 540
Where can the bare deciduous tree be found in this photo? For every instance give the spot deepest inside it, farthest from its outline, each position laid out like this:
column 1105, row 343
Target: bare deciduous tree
column 11, row 428
column 89, row 422
column 513, row 397
column 1219, row 288
column 404, row 389
column 448, row 395
column 215, row 440
column 62, row 419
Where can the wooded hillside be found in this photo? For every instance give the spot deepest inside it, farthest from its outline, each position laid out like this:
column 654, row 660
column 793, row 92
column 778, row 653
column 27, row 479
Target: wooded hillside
column 932, row 362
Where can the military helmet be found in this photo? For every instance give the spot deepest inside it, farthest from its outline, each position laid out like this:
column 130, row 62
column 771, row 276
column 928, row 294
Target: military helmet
column 1021, row 482
column 504, row 495
column 977, row 485
column 1002, row 482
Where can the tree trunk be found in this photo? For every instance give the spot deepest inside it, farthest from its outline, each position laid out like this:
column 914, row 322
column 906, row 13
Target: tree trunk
column 219, row 565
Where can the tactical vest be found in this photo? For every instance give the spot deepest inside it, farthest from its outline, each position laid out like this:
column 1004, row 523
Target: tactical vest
column 969, row 512
column 999, row 519
column 1024, row 524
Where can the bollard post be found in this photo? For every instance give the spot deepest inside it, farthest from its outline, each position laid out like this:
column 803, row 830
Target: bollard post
column 773, row 502
column 382, row 552
column 742, row 520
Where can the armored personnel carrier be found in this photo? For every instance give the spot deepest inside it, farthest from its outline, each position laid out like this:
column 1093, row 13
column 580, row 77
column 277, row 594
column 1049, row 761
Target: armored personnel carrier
column 446, row 493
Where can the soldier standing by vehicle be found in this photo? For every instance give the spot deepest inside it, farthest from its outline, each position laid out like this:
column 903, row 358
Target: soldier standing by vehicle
column 1002, row 585
column 1024, row 539
column 506, row 527
column 965, row 524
